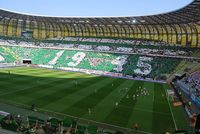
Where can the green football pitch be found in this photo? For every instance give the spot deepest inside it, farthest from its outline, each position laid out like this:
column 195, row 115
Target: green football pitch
column 101, row 99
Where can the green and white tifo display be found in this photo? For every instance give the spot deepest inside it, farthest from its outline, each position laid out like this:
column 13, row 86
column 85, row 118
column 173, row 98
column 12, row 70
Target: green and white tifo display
column 109, row 62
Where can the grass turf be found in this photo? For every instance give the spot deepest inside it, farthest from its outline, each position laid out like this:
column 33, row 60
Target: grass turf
column 74, row 93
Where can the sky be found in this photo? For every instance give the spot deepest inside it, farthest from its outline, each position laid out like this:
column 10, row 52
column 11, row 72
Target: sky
column 91, row 8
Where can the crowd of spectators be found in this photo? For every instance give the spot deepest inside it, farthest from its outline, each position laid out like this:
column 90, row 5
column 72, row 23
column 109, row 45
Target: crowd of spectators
column 194, row 81
column 108, row 45
column 35, row 125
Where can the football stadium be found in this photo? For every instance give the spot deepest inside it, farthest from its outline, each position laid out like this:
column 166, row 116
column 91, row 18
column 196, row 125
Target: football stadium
column 100, row 75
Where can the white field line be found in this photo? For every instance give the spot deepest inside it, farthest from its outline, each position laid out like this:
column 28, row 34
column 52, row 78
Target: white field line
column 171, row 112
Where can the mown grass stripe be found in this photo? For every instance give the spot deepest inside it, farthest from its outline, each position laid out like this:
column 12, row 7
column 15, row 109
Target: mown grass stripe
column 28, row 83
column 179, row 113
column 24, row 80
column 41, row 72
column 120, row 116
column 49, row 83
column 48, row 96
column 20, row 76
column 81, row 107
column 143, row 108
column 108, row 104
column 56, row 91
column 87, row 89
column 161, row 123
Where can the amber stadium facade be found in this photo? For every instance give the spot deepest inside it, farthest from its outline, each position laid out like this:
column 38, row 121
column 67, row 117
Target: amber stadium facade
column 177, row 27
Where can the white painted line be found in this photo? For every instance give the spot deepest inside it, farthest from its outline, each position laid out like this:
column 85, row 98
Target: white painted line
column 171, row 112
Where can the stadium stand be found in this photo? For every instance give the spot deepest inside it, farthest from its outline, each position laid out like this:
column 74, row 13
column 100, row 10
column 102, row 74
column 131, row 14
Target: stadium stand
column 53, row 125
column 187, row 87
column 109, row 62
column 191, row 84
column 194, row 79
column 145, row 47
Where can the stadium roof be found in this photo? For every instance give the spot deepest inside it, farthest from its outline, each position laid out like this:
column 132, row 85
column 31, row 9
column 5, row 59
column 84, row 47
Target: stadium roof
column 188, row 14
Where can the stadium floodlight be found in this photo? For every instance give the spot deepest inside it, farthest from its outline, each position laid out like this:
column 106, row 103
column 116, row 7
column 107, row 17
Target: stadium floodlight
column 134, row 21
column 82, row 21
column 119, row 21
column 143, row 21
column 6, row 18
